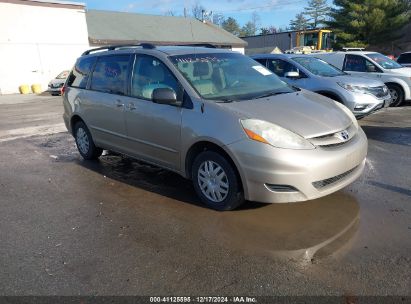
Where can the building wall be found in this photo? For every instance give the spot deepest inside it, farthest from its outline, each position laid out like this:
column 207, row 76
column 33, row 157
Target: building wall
column 38, row 41
column 280, row 40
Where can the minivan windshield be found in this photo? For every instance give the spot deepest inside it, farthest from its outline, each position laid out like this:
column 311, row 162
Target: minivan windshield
column 63, row 75
column 228, row 76
column 318, row 67
column 384, row 61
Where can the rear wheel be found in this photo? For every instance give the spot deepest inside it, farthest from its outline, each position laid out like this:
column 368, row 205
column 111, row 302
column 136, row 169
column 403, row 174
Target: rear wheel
column 85, row 143
column 397, row 95
column 216, row 182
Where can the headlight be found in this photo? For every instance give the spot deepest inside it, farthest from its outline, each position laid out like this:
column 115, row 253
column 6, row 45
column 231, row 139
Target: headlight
column 348, row 112
column 353, row 88
column 274, row 135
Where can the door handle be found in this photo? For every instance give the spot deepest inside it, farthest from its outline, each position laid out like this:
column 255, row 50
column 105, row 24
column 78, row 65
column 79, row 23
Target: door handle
column 131, row 106
column 119, row 104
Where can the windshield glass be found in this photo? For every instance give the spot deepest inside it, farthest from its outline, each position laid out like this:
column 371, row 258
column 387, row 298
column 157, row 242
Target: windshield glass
column 63, row 75
column 318, row 66
column 228, row 76
column 384, row 61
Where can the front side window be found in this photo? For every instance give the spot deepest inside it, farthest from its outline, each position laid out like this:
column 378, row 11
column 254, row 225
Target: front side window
column 228, row 76
column 110, row 74
column 404, row 58
column 318, row 67
column 281, row 67
column 79, row 75
column 149, row 74
column 384, row 61
column 356, row 63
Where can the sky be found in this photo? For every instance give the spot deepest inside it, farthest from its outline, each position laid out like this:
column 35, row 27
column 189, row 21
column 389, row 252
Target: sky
column 271, row 12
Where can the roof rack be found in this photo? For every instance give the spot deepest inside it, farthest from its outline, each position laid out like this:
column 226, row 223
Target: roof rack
column 119, row 46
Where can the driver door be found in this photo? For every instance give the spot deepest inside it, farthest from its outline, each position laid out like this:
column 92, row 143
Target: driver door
column 357, row 65
column 153, row 129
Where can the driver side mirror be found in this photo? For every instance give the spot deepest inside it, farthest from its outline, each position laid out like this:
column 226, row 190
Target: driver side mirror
column 371, row 69
column 166, row 96
column 293, row 75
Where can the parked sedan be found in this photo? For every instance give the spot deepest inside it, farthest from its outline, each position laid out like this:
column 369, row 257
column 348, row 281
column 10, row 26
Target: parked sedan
column 57, row 83
column 362, row 96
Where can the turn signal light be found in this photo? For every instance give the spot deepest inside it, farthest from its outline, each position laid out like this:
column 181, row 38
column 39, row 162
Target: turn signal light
column 255, row 136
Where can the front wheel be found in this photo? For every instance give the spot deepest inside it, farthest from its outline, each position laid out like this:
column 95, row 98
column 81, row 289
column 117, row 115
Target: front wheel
column 216, row 182
column 85, row 143
column 397, row 95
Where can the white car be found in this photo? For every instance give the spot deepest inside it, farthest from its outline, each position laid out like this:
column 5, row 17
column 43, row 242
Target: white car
column 377, row 66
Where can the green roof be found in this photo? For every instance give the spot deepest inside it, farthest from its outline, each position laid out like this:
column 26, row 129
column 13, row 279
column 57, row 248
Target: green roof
column 107, row 27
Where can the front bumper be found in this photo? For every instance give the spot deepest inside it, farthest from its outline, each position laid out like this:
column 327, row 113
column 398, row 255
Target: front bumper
column 311, row 173
column 364, row 104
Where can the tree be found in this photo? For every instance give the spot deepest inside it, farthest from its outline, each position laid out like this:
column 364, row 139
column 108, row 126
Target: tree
column 218, row 19
column 359, row 23
column 170, row 13
column 255, row 22
column 317, row 11
column 231, row 25
column 248, row 29
column 268, row 30
column 198, row 11
column 299, row 23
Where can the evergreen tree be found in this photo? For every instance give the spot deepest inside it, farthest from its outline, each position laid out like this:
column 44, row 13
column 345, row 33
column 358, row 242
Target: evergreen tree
column 299, row 23
column 231, row 25
column 359, row 23
column 317, row 11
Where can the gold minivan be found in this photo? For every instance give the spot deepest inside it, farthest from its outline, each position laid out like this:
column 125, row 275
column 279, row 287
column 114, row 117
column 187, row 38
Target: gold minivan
column 216, row 117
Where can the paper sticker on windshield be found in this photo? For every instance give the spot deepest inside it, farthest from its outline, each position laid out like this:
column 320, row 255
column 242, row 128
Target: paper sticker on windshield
column 262, row 70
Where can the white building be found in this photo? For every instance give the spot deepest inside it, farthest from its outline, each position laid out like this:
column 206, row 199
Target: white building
column 38, row 40
column 41, row 38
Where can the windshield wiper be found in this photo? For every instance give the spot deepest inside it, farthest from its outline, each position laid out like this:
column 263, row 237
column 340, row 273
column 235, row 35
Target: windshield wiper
column 273, row 93
column 225, row 100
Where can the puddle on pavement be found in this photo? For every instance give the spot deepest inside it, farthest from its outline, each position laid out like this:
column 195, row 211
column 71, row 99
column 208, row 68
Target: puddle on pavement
column 303, row 231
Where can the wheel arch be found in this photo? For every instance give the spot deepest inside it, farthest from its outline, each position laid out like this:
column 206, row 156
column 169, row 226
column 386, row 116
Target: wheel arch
column 205, row 145
column 73, row 120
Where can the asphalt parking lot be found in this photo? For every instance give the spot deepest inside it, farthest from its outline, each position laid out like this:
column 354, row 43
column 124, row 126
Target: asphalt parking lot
column 119, row 227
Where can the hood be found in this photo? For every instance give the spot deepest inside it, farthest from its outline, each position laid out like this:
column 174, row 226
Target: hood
column 305, row 113
column 401, row 71
column 358, row 81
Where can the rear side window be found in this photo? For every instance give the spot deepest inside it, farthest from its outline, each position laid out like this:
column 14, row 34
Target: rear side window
column 110, row 74
column 79, row 75
column 404, row 58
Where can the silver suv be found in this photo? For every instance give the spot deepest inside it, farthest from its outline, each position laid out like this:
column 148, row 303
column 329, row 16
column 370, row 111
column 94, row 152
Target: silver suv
column 376, row 66
column 361, row 95
column 216, row 117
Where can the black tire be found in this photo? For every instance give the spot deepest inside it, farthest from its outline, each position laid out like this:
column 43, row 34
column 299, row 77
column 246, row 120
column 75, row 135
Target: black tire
column 234, row 195
column 398, row 93
column 91, row 151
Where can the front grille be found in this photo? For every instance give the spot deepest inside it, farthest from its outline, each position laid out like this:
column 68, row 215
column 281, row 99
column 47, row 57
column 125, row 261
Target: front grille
column 334, row 139
column 378, row 92
column 332, row 180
